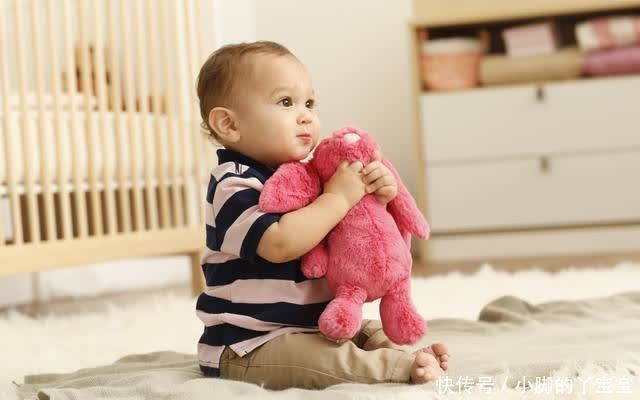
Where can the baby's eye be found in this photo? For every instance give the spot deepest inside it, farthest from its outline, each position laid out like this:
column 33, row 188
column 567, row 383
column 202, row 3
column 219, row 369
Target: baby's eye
column 310, row 103
column 286, row 102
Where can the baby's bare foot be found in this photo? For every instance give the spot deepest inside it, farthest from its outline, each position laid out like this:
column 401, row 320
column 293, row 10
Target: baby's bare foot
column 429, row 363
column 441, row 352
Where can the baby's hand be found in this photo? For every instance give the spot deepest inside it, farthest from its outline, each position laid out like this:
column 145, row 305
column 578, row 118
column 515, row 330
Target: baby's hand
column 380, row 181
column 347, row 182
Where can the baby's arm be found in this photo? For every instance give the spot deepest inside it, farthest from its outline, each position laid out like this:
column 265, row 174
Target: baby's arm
column 299, row 231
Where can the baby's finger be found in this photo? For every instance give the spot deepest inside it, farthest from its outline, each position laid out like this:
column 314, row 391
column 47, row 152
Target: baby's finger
column 372, row 166
column 343, row 165
column 373, row 175
column 385, row 180
column 357, row 166
column 377, row 184
column 386, row 191
column 376, row 155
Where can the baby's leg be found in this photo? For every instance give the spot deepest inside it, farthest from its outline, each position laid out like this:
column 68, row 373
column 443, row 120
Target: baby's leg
column 372, row 337
column 308, row 360
column 428, row 359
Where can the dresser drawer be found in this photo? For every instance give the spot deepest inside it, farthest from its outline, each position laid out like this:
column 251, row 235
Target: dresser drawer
column 566, row 117
column 534, row 192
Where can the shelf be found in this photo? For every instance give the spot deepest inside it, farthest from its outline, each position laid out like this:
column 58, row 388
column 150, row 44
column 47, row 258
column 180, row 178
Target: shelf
column 438, row 13
column 540, row 83
column 437, row 145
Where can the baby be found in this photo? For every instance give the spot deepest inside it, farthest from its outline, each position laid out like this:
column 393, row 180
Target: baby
column 259, row 311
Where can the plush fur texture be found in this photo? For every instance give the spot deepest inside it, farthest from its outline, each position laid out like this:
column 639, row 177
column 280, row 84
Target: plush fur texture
column 367, row 255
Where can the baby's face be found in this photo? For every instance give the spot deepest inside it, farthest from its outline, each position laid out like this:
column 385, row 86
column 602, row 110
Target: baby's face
column 276, row 114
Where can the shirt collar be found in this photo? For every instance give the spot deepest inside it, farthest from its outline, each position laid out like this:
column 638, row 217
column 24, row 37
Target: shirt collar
column 228, row 155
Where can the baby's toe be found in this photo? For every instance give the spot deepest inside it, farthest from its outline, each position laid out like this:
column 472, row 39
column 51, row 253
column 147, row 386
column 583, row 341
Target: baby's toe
column 422, row 359
column 425, row 368
column 431, row 373
column 440, row 350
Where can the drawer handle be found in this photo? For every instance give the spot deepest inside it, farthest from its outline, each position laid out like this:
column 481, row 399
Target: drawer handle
column 544, row 163
column 540, row 93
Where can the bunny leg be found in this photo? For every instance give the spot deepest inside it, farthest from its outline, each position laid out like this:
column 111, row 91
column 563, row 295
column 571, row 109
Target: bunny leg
column 400, row 320
column 343, row 316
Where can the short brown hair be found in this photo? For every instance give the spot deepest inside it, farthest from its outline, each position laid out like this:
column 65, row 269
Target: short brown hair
column 219, row 73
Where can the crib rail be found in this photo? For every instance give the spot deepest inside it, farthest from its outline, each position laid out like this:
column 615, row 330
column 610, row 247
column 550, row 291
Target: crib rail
column 98, row 96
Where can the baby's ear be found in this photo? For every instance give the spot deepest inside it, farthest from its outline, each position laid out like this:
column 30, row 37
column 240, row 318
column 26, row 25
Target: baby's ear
column 293, row 186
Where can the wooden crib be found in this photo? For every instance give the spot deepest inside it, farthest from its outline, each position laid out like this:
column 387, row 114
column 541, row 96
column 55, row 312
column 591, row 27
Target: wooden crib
column 101, row 154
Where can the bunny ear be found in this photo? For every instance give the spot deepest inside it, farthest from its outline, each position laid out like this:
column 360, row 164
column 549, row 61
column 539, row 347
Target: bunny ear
column 293, row 186
column 404, row 210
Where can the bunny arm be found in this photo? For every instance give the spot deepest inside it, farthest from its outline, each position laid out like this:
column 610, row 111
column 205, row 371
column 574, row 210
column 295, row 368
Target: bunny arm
column 293, row 186
column 316, row 261
column 404, row 210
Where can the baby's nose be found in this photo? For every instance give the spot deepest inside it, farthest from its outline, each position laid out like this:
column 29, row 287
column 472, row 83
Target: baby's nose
column 304, row 118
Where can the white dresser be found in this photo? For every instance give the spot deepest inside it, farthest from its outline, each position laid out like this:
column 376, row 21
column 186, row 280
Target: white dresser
column 526, row 171
column 532, row 170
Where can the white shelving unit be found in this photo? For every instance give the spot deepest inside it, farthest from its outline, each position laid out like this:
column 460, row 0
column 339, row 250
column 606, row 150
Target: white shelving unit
column 548, row 169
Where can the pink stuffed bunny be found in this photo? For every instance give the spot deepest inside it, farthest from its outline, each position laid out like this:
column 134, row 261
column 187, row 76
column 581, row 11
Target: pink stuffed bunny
column 367, row 255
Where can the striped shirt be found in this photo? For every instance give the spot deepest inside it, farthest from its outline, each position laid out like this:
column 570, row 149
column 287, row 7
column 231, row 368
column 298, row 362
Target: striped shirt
column 248, row 300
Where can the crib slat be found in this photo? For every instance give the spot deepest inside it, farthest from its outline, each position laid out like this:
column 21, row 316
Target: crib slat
column 8, row 140
column 74, row 124
column 32, row 209
column 194, row 65
column 147, row 118
column 101, row 86
column 207, row 155
column 174, row 142
column 45, row 162
column 134, row 122
column 78, row 193
column 87, row 88
column 156, row 42
column 134, row 126
column 63, row 191
column 201, row 56
column 184, row 89
column 116, row 96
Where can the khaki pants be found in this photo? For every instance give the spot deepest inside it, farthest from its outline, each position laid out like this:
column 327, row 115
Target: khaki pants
column 309, row 360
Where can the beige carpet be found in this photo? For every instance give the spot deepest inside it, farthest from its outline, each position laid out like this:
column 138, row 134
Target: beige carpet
column 74, row 340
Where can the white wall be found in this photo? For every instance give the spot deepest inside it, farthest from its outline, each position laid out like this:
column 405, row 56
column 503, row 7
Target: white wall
column 357, row 54
column 234, row 21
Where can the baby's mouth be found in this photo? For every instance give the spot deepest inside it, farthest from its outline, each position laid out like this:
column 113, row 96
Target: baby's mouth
column 304, row 138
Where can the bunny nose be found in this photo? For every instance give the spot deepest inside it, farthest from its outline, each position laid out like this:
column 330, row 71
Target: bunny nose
column 351, row 137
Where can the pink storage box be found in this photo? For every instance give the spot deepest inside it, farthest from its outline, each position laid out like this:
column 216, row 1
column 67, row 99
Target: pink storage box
column 451, row 63
column 531, row 40
column 618, row 61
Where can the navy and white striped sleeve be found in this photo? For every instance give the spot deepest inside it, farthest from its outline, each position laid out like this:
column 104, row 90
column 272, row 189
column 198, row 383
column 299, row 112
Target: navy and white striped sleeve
column 235, row 223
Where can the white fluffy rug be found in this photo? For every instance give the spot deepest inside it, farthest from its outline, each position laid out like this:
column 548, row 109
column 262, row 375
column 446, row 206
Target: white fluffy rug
column 168, row 322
